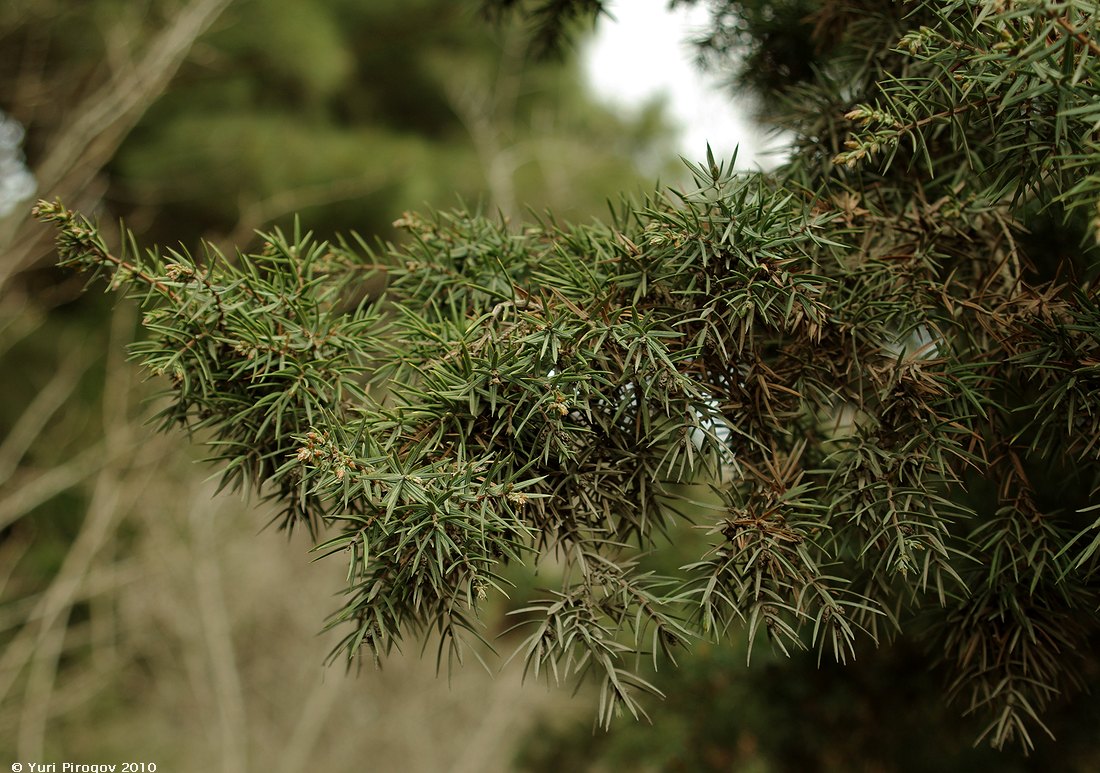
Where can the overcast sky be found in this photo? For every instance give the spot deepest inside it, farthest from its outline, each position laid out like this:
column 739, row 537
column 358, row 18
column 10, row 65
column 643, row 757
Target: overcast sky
column 646, row 51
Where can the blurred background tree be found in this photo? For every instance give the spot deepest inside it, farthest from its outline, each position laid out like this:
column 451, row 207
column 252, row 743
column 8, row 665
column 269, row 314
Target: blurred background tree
column 139, row 616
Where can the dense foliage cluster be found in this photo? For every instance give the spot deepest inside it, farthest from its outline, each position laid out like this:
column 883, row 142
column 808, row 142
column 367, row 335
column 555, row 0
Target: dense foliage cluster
column 881, row 361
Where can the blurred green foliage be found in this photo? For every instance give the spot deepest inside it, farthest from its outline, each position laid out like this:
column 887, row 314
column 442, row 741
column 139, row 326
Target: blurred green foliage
column 786, row 716
column 346, row 113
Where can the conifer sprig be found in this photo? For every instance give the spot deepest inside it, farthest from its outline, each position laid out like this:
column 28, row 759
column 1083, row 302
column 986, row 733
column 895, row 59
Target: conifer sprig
column 889, row 387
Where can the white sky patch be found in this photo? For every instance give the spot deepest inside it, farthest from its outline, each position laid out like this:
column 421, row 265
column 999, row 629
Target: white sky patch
column 17, row 184
column 645, row 51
